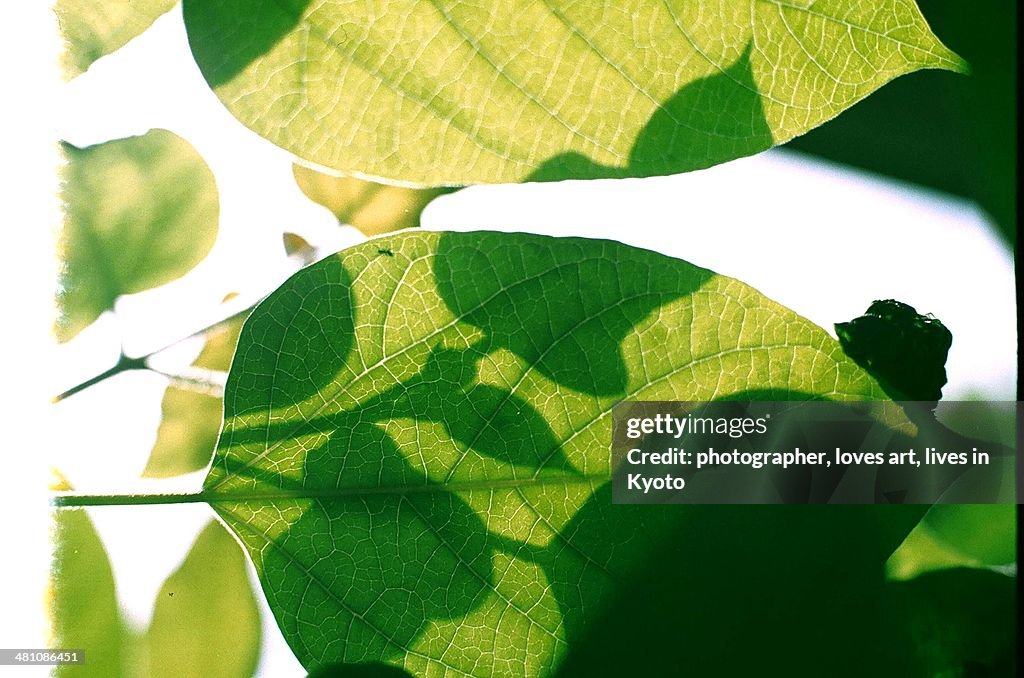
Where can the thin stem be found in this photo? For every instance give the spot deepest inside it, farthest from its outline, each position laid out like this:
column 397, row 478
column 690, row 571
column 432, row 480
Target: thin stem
column 124, row 363
column 72, row 500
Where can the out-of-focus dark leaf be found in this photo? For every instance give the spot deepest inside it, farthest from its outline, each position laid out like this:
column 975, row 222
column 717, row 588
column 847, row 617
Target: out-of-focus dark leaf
column 954, row 134
column 962, row 622
column 374, row 670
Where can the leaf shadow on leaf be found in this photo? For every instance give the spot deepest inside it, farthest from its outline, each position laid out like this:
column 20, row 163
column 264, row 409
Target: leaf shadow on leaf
column 369, row 670
column 304, row 362
column 267, row 24
column 385, row 564
column 706, row 122
column 489, row 420
column 506, row 292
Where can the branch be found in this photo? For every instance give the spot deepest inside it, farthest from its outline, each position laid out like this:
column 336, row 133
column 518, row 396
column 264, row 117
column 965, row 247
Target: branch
column 125, row 363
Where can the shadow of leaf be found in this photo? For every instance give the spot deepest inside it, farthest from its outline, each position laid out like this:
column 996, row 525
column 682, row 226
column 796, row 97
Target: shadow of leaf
column 266, row 24
column 306, row 332
column 378, row 565
column 707, row 122
column 565, row 316
column 733, row 590
column 489, row 420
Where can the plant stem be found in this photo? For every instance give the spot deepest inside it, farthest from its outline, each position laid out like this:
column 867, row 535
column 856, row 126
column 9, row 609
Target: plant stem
column 124, row 363
column 73, row 500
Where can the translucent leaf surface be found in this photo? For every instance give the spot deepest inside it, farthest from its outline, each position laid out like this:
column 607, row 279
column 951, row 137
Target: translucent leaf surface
column 416, row 447
column 371, row 207
column 140, row 212
column 205, row 621
column 95, row 28
column 437, row 92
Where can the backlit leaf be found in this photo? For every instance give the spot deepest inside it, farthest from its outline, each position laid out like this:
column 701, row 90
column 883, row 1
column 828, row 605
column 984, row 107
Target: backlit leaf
column 140, row 212
column 191, row 418
column 371, row 207
column 205, row 621
column 95, row 28
column 84, row 609
column 448, row 92
column 416, row 451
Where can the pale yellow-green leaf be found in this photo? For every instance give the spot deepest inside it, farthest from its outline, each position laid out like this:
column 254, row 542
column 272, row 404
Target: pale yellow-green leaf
column 451, row 92
column 84, row 608
column 95, row 28
column 205, row 621
column 371, row 207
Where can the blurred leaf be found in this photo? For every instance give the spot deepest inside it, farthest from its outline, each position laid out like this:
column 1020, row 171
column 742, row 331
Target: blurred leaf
column 205, row 621
column 371, row 207
column 984, row 532
column 191, row 418
column 297, row 246
column 140, row 212
column 963, row 622
column 95, row 28
column 921, row 552
column 452, row 93
column 415, row 447
column 85, row 610
column 957, row 135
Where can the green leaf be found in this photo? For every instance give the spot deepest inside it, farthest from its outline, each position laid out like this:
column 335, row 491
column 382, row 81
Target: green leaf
column 922, row 552
column 140, row 212
column 433, row 92
column 371, row 207
column 984, row 532
column 84, row 606
column 205, row 621
column 191, row 418
column 963, row 622
column 95, row 28
column 416, row 444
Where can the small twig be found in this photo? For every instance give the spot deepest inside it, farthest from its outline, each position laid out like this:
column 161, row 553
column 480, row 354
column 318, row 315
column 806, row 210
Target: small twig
column 125, row 363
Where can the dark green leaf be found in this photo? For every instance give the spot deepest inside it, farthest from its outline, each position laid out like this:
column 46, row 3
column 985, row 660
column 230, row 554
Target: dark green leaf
column 904, row 350
column 416, row 444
